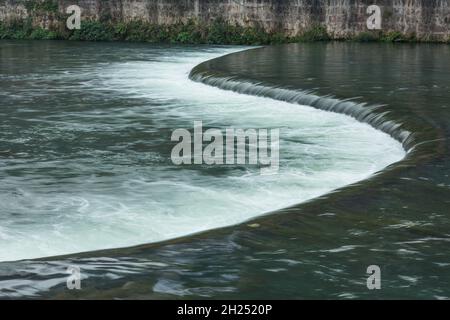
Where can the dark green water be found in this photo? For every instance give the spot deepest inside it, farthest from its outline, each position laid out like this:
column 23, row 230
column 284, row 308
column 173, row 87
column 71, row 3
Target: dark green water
column 397, row 219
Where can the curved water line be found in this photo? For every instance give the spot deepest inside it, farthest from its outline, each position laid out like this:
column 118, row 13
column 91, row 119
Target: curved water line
column 373, row 115
column 209, row 250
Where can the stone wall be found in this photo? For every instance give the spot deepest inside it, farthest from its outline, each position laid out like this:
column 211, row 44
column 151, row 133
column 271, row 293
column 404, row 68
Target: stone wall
column 426, row 19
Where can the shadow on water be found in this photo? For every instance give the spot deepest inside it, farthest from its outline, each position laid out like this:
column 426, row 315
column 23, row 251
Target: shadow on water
column 398, row 219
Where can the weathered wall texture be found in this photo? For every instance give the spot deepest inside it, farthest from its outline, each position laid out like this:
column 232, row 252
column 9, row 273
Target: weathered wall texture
column 427, row 19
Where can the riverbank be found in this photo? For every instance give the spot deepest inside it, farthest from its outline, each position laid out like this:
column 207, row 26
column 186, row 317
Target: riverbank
column 225, row 22
column 191, row 32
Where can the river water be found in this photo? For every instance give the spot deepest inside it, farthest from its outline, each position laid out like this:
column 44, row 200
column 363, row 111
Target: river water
column 85, row 166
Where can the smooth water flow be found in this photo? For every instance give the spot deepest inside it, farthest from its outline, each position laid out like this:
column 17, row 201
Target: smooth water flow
column 85, row 149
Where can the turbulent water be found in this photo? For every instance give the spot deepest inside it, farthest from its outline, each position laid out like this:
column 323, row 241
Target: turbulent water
column 85, row 165
column 85, row 149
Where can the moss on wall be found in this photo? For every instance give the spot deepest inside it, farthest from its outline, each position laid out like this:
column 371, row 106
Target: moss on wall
column 176, row 22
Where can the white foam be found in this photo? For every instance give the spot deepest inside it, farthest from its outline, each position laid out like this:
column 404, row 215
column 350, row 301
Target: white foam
column 320, row 152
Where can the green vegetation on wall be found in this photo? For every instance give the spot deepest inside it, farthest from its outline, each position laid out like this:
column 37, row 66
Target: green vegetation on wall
column 190, row 32
column 34, row 6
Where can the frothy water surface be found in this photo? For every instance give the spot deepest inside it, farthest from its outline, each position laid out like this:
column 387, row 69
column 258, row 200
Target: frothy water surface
column 85, row 149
